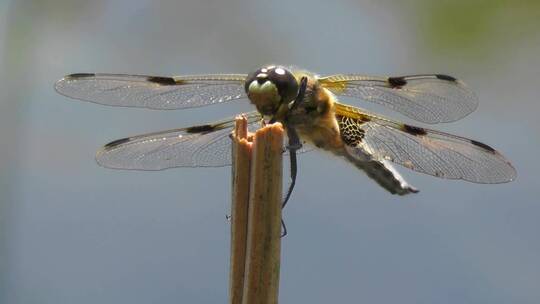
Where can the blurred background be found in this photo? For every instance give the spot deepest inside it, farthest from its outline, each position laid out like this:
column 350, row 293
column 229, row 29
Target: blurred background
column 73, row 232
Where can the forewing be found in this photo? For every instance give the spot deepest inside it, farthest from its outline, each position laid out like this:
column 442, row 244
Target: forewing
column 199, row 146
column 153, row 92
column 426, row 98
column 429, row 151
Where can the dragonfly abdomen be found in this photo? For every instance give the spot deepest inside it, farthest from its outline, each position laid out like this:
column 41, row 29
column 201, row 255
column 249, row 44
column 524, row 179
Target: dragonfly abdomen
column 381, row 171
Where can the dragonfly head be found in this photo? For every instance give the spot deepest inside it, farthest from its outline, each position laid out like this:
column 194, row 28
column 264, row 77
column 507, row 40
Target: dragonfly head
column 270, row 87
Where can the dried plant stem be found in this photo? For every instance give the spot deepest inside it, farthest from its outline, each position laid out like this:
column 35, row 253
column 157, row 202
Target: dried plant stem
column 257, row 195
column 241, row 170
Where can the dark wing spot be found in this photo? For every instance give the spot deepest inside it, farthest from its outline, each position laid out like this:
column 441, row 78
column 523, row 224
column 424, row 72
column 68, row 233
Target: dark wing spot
column 414, row 130
column 397, row 82
column 117, row 142
column 162, row 80
column 445, row 77
column 482, row 145
column 81, row 75
column 200, row 129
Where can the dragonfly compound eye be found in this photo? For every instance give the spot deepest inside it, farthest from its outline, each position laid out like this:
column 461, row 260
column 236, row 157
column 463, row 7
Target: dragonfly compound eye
column 269, row 87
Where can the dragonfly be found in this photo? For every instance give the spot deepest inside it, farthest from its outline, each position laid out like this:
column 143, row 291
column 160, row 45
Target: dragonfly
column 308, row 107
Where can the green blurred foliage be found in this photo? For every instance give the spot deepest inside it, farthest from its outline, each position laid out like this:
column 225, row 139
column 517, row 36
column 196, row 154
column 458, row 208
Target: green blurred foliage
column 475, row 26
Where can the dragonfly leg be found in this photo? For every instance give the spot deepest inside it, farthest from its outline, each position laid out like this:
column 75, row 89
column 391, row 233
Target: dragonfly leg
column 301, row 92
column 293, row 145
column 294, row 141
column 284, row 231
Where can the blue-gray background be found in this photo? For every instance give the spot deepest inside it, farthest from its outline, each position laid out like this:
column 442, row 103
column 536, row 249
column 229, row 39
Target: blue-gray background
column 73, row 232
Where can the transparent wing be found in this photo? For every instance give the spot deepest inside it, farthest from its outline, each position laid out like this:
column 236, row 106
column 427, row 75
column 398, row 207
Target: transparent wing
column 153, row 92
column 426, row 98
column 199, row 146
column 428, row 151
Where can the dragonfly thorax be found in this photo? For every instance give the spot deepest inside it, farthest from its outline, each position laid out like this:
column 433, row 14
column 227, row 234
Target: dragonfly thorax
column 270, row 87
